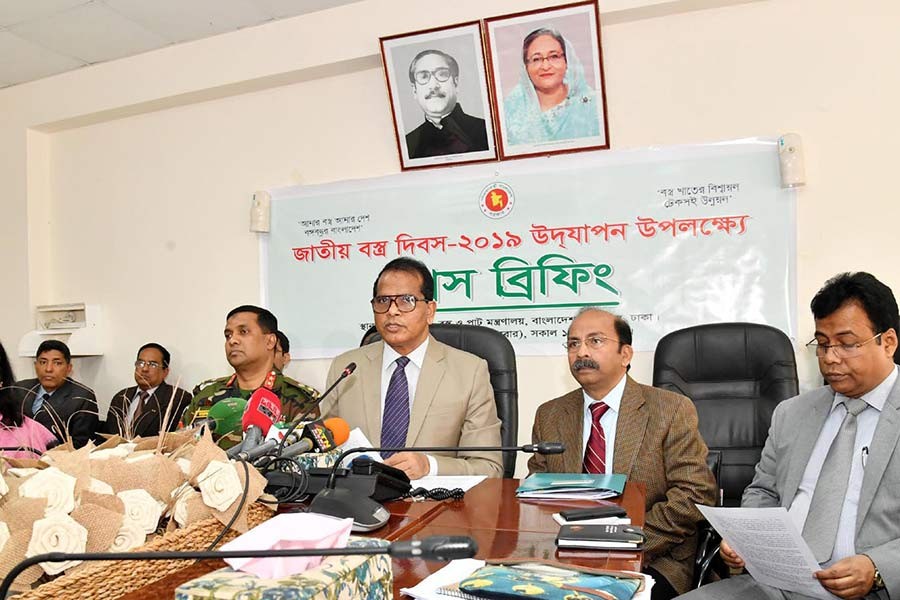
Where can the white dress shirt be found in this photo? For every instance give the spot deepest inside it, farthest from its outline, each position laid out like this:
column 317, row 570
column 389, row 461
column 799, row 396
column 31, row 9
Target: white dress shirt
column 413, row 369
column 866, row 421
column 608, row 421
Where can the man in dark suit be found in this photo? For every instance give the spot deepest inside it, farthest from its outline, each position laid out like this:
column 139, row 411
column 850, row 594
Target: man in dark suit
column 613, row 424
column 434, row 76
column 144, row 410
column 56, row 401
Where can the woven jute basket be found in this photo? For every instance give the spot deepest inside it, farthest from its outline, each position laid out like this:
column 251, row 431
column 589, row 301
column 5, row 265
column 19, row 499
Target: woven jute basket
column 112, row 579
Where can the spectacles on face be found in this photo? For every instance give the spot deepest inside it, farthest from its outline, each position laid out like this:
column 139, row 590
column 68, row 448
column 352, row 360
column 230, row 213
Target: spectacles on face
column 405, row 303
column 442, row 74
column 150, row 364
column 841, row 350
column 554, row 58
column 594, row 342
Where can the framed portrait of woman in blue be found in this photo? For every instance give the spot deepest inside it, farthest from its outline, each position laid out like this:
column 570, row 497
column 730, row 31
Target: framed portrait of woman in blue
column 546, row 69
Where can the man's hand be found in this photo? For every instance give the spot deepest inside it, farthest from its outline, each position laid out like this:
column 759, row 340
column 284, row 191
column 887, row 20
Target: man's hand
column 730, row 557
column 850, row 577
column 414, row 464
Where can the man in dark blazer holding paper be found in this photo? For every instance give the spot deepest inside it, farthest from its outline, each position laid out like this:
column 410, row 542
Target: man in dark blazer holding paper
column 832, row 458
column 615, row 425
column 64, row 406
column 143, row 409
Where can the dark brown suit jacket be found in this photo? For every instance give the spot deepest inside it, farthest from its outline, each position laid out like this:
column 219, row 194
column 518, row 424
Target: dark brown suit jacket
column 150, row 421
column 657, row 444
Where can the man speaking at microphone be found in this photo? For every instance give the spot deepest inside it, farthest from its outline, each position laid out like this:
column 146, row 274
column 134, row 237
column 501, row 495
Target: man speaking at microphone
column 250, row 343
column 411, row 390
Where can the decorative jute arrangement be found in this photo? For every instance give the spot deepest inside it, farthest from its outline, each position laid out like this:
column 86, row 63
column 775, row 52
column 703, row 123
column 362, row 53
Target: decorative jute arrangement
column 172, row 492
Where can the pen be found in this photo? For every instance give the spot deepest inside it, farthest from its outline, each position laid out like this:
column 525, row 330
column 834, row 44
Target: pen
column 865, row 456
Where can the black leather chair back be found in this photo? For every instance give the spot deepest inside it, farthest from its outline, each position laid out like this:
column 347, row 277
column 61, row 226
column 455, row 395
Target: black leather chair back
column 735, row 373
column 493, row 347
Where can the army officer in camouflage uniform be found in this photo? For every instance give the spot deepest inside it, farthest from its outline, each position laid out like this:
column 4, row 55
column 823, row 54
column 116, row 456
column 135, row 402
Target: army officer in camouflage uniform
column 250, row 344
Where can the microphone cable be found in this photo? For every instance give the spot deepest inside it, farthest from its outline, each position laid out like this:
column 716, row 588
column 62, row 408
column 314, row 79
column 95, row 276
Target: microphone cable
column 288, row 484
column 421, row 494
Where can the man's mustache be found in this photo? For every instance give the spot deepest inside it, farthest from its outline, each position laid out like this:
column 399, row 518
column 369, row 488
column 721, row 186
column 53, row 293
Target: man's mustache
column 585, row 363
column 435, row 94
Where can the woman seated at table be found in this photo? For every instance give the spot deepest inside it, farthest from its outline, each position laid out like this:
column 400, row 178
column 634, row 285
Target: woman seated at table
column 17, row 430
column 552, row 101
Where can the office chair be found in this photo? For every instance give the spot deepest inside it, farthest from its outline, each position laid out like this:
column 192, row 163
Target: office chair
column 494, row 348
column 735, row 373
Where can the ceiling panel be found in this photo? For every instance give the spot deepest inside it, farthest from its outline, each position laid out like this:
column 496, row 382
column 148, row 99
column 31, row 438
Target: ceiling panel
column 92, row 32
column 19, row 11
column 181, row 20
column 280, row 9
column 21, row 60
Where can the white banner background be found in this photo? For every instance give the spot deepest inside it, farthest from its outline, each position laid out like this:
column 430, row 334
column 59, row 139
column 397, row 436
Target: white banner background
column 668, row 238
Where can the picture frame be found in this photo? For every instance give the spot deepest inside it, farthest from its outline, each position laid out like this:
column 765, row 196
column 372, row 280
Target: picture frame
column 557, row 104
column 439, row 123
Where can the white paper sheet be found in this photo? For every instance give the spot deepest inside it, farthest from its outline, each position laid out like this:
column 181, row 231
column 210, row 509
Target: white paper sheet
column 454, row 572
column 773, row 550
column 358, row 439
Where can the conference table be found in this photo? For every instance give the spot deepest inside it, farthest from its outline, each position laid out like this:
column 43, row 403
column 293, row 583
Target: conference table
column 503, row 526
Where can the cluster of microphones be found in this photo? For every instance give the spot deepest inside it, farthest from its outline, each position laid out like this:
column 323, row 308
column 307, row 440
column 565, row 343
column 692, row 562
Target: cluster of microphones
column 267, row 441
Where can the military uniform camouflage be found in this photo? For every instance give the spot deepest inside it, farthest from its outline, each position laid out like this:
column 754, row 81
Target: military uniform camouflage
column 296, row 398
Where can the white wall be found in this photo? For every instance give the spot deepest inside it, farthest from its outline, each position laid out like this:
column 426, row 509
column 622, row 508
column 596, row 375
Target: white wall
column 128, row 184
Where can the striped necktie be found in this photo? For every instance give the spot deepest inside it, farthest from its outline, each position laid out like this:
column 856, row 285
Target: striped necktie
column 395, row 420
column 595, row 452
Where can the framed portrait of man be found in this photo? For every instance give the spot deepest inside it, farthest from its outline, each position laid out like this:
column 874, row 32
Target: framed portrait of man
column 437, row 83
column 546, row 71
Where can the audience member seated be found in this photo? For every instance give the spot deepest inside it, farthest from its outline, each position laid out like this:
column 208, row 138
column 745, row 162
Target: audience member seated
column 282, row 351
column 144, row 409
column 250, row 341
column 616, row 425
column 64, row 406
column 831, row 457
column 17, row 430
column 411, row 390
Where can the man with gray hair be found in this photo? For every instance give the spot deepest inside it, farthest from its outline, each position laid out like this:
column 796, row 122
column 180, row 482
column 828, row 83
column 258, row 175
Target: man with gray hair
column 434, row 76
column 613, row 424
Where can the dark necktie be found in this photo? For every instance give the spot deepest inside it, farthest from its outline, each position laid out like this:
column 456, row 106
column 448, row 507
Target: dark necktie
column 395, row 420
column 139, row 409
column 595, row 452
column 39, row 403
column 820, row 528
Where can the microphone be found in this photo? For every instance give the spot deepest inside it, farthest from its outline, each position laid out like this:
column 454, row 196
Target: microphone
column 224, row 416
column 440, row 548
column 367, row 514
column 320, row 436
column 344, row 374
column 263, row 409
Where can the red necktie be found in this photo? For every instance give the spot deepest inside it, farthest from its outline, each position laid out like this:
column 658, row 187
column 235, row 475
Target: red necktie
column 595, row 453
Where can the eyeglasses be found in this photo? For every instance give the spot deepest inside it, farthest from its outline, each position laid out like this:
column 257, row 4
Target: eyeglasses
column 594, row 342
column 554, row 59
column 442, row 74
column 404, row 302
column 151, row 364
column 841, row 350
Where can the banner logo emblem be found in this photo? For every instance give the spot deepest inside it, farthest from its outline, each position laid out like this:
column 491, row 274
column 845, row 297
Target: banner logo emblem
column 496, row 201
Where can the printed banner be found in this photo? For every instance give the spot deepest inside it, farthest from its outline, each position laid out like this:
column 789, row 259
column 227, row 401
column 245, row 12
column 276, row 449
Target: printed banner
column 667, row 238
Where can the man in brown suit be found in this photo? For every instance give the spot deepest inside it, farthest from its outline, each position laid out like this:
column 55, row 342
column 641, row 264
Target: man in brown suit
column 646, row 433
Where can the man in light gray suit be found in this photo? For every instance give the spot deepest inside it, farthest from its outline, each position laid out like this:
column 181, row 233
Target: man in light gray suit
column 848, row 509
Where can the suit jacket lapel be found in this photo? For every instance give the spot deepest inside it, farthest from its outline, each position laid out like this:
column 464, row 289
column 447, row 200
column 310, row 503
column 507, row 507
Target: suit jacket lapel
column 570, row 427
column 433, row 369
column 30, row 397
column 884, row 440
column 630, row 427
column 803, row 446
column 370, row 370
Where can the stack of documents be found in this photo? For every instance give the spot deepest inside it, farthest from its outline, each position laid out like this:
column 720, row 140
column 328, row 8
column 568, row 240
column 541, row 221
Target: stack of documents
column 571, row 486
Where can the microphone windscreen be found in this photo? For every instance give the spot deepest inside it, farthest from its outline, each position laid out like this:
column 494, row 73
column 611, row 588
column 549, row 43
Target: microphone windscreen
column 350, row 368
column 436, row 547
column 263, row 409
column 550, row 448
column 228, row 415
column 340, row 429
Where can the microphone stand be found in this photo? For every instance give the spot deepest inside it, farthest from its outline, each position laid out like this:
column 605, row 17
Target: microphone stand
column 441, row 548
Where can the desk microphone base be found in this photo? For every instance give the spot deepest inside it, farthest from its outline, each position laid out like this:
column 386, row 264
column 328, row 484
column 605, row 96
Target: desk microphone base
column 367, row 514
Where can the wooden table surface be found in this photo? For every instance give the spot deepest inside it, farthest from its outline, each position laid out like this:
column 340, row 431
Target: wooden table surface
column 503, row 526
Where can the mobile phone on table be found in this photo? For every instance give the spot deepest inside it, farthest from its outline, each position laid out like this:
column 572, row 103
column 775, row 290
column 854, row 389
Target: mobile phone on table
column 596, row 512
